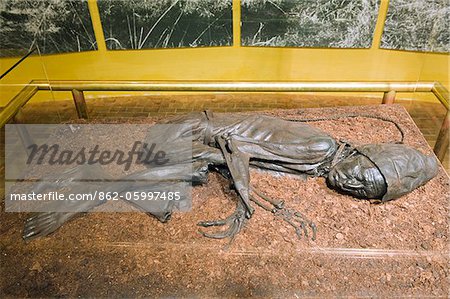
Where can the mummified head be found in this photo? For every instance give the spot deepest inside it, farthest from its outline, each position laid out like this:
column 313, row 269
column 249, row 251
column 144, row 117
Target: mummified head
column 383, row 171
column 358, row 176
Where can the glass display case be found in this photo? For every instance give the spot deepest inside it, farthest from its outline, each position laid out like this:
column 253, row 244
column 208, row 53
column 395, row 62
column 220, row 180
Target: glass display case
column 104, row 72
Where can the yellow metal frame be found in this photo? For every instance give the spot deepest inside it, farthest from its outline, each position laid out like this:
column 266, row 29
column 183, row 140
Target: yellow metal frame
column 232, row 86
column 78, row 87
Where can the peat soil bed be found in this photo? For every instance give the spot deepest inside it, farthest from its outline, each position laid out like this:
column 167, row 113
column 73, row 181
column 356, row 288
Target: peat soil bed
column 399, row 248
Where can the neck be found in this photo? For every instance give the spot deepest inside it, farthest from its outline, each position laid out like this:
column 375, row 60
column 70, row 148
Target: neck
column 343, row 151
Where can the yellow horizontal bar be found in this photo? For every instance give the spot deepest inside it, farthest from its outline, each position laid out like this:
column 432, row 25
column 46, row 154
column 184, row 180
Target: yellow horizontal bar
column 230, row 86
column 226, row 86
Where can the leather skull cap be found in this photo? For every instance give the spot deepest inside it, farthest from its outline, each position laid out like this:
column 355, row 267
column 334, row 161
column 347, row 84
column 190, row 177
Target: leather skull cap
column 403, row 168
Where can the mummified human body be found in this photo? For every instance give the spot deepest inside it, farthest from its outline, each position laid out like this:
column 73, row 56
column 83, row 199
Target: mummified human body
column 231, row 144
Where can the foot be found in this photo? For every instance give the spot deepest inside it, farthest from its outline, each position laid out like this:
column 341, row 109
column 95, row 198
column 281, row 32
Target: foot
column 235, row 223
column 43, row 224
column 294, row 218
column 298, row 221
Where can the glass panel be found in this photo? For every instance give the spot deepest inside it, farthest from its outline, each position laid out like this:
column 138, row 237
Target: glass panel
column 166, row 23
column 311, row 23
column 419, row 25
column 59, row 26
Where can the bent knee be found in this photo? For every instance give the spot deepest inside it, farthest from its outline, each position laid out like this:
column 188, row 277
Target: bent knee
column 324, row 144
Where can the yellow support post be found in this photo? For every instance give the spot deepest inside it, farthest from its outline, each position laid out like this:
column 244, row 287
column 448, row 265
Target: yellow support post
column 379, row 27
column 236, row 23
column 80, row 103
column 442, row 142
column 97, row 25
column 389, row 97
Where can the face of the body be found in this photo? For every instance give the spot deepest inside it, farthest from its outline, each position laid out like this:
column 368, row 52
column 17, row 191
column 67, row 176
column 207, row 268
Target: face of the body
column 358, row 176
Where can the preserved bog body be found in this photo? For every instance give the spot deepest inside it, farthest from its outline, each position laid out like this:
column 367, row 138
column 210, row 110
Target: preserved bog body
column 231, row 144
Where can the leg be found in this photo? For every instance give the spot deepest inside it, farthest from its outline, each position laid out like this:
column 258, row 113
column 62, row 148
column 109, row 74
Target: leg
column 168, row 179
column 42, row 224
column 238, row 171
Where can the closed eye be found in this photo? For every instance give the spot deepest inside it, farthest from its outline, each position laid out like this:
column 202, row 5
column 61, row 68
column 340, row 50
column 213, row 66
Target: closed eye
column 360, row 176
